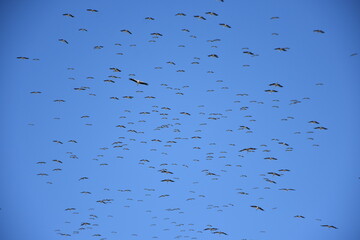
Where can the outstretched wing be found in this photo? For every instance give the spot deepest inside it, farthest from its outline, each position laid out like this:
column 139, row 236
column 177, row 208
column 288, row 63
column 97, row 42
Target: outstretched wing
column 143, row 83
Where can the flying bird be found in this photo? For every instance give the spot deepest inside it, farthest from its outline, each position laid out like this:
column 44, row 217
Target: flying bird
column 282, row 49
column 42, row 174
column 125, row 30
column 315, row 122
column 64, row 41
column 321, row 128
column 210, row 229
column 91, row 10
column 212, row 13
column 275, row 85
column 115, row 69
column 249, row 53
column 156, row 34
column 329, row 226
column 271, row 91
column 247, row 150
column 68, row 15
column 213, row 55
column 225, row 25
column 138, row 81
column 167, row 180
column 200, row 17
column 257, row 208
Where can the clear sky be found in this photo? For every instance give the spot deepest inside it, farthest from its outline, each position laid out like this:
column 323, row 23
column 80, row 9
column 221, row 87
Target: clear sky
column 261, row 111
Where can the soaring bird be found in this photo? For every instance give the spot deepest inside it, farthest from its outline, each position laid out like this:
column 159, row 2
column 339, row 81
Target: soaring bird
column 167, row 180
column 70, row 209
column 274, row 174
column 213, row 55
column 115, row 69
column 110, row 81
column 42, row 174
column 271, row 91
column 63, row 40
column 284, row 170
column 270, row 181
column 247, row 150
column 185, row 113
column 210, row 229
column 249, row 53
column 24, row 58
column 282, row 49
column 180, row 14
column 156, row 34
column 225, row 25
column 257, row 207
column 329, row 226
column 92, row 10
column 164, row 195
column 212, row 13
column 275, row 85
column 318, row 31
column 68, row 15
column 315, row 122
column 199, row 17
column 321, row 128
column 150, row 18
column 125, row 30
column 138, row 81
column 165, row 171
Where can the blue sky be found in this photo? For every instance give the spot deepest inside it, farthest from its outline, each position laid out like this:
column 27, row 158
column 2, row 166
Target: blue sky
column 320, row 83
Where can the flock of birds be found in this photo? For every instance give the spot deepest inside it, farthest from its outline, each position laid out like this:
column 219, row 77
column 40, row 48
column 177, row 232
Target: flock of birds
column 161, row 130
